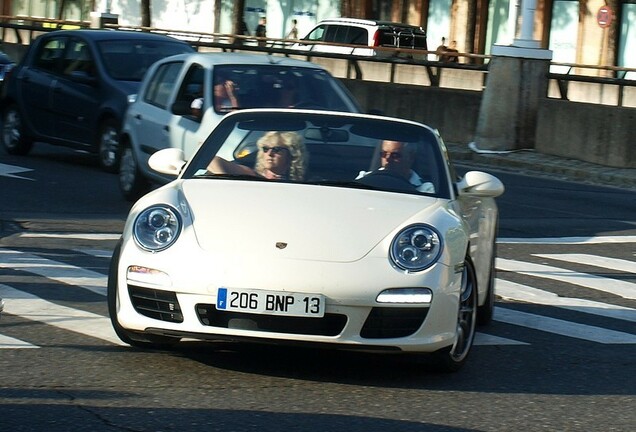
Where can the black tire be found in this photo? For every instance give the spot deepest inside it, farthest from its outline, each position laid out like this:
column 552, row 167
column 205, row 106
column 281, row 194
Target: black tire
column 14, row 139
column 135, row 339
column 132, row 183
column 108, row 145
column 452, row 359
column 486, row 311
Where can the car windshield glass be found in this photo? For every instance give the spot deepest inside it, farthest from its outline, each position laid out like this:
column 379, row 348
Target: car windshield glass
column 273, row 86
column 128, row 60
column 361, row 152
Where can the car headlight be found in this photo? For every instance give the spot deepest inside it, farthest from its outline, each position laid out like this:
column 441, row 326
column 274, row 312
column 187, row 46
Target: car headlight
column 157, row 228
column 416, row 248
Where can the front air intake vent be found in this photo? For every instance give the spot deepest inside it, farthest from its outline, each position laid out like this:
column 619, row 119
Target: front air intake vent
column 156, row 304
column 393, row 322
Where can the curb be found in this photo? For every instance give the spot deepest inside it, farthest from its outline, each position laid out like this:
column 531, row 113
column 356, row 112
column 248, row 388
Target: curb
column 531, row 162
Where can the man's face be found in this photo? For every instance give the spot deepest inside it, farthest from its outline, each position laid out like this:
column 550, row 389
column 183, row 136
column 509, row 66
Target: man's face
column 394, row 158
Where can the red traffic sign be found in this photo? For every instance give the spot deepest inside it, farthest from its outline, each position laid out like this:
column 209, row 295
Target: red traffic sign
column 604, row 16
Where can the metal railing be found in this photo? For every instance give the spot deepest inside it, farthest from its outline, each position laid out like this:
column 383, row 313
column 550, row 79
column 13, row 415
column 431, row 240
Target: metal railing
column 22, row 30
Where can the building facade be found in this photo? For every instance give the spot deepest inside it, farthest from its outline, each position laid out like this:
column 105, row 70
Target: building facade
column 590, row 32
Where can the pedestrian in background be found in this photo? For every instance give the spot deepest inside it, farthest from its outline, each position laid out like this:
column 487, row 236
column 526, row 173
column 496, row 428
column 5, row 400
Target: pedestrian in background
column 293, row 33
column 441, row 49
column 261, row 31
column 452, row 53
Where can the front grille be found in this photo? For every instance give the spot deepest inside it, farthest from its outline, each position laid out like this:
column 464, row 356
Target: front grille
column 157, row 304
column 329, row 325
column 393, row 322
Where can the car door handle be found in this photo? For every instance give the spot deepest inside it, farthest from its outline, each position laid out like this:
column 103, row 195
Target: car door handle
column 166, row 128
column 138, row 116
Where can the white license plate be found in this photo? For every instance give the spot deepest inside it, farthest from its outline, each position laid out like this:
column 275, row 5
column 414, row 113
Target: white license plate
column 271, row 302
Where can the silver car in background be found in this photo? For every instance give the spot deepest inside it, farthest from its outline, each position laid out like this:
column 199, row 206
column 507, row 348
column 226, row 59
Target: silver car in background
column 162, row 114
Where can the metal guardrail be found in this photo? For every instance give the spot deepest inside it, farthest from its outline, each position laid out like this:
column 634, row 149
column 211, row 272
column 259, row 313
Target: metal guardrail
column 20, row 26
column 593, row 76
column 32, row 27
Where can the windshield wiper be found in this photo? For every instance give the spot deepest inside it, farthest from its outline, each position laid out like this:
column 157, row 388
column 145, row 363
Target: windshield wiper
column 347, row 183
column 232, row 177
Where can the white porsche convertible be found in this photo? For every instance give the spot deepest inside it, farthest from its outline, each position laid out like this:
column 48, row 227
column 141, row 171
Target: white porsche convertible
column 344, row 230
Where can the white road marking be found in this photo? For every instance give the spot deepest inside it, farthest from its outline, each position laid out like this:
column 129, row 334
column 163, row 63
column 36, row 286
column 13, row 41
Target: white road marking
column 60, row 272
column 31, row 307
column 569, row 240
column 12, row 343
column 563, row 328
column 77, row 236
column 594, row 260
column 99, row 253
column 483, row 339
column 613, row 286
column 518, row 292
column 12, row 170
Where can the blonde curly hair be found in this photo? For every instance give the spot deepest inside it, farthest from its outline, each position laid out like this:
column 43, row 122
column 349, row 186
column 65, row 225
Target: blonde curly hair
column 297, row 152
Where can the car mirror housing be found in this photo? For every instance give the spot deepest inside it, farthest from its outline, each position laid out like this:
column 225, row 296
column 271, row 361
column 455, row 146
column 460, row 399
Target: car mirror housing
column 168, row 161
column 480, row 184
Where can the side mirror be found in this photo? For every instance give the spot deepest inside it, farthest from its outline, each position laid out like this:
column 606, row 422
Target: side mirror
column 168, row 161
column 480, row 184
column 181, row 108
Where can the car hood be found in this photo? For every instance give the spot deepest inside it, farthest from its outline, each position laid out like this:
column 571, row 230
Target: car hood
column 307, row 222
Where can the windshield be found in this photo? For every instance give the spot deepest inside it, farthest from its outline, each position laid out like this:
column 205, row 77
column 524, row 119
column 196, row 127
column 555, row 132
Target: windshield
column 326, row 149
column 272, row 86
column 128, row 60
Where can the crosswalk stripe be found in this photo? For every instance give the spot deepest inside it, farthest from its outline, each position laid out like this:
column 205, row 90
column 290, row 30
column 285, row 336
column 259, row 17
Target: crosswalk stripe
column 613, row 286
column 54, row 270
column 563, row 328
column 483, row 339
column 569, row 240
column 98, row 253
column 9, row 342
column 594, row 260
column 34, row 308
column 518, row 292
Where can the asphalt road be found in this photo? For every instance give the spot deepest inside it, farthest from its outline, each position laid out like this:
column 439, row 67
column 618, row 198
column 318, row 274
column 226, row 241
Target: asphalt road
column 546, row 363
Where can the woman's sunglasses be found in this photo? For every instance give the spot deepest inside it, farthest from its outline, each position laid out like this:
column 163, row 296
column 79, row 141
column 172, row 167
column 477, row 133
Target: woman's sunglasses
column 274, row 150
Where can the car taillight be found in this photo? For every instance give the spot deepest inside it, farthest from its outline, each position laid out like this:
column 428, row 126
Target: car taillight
column 376, row 38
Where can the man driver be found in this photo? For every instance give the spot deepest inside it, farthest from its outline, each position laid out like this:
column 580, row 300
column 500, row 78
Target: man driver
column 399, row 157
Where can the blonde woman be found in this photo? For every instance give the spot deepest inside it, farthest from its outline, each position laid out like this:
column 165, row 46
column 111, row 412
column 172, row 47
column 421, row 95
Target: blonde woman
column 281, row 156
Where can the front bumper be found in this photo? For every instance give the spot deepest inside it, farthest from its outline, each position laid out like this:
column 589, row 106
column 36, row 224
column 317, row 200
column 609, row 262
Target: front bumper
column 185, row 305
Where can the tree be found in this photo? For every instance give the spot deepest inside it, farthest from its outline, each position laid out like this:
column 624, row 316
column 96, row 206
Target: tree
column 238, row 21
column 145, row 13
column 237, row 17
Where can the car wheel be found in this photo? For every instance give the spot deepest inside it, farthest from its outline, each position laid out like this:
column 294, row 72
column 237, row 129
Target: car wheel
column 135, row 339
column 108, row 145
column 486, row 311
column 132, row 183
column 453, row 358
column 13, row 137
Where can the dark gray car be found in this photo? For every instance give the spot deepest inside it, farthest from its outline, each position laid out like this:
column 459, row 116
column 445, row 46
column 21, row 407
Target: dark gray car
column 72, row 88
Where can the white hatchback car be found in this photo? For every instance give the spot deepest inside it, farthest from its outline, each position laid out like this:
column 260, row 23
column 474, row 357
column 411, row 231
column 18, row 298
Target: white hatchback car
column 333, row 33
column 162, row 116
